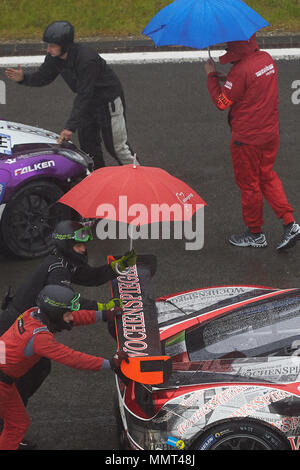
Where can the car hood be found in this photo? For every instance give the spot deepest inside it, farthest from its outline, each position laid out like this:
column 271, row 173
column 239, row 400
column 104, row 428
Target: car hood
column 13, row 134
column 20, row 142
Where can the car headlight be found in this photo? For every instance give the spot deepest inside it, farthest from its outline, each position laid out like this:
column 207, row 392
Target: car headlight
column 74, row 156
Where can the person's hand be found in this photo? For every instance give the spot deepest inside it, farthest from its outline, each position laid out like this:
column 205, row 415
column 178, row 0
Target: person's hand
column 221, row 76
column 210, row 66
column 64, row 135
column 115, row 362
column 128, row 260
column 113, row 303
column 110, row 315
column 17, row 75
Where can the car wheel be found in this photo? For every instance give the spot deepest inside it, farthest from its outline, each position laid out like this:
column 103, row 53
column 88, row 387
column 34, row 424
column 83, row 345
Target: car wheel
column 241, row 435
column 29, row 218
column 121, row 436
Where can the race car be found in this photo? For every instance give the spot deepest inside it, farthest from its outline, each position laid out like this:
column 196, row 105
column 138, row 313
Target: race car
column 234, row 380
column 34, row 173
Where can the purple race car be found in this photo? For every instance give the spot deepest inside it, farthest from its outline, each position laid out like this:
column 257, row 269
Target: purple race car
column 34, row 173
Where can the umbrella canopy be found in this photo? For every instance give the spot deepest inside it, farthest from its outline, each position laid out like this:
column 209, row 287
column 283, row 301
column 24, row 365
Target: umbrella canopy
column 203, row 23
column 120, row 192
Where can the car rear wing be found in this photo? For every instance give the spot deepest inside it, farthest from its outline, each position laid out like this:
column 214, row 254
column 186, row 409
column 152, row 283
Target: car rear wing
column 137, row 331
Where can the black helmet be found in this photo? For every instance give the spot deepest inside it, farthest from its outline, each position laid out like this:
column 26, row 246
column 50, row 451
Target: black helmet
column 61, row 33
column 66, row 234
column 53, row 301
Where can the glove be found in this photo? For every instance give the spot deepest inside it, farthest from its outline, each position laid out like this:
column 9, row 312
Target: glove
column 116, row 302
column 115, row 362
column 110, row 315
column 128, row 260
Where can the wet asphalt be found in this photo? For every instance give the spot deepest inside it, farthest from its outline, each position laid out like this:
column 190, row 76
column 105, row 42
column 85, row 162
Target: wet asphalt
column 172, row 124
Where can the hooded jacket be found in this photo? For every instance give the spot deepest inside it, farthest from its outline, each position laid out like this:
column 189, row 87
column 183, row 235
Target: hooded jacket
column 250, row 92
column 55, row 269
column 87, row 75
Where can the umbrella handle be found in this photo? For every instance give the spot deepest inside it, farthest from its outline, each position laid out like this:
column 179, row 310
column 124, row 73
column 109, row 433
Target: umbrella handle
column 209, row 52
column 134, row 161
column 131, row 247
column 121, row 273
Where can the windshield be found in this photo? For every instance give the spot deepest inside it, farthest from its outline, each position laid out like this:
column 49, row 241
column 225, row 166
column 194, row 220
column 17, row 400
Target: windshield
column 270, row 328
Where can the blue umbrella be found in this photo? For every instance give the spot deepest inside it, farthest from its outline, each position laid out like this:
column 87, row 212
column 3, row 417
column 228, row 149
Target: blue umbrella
column 203, row 23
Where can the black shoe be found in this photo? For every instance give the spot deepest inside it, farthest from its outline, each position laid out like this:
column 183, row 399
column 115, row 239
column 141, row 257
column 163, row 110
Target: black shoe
column 27, row 445
column 290, row 236
column 256, row 240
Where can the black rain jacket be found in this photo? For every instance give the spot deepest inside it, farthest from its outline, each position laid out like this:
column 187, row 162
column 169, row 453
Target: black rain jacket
column 88, row 75
column 54, row 270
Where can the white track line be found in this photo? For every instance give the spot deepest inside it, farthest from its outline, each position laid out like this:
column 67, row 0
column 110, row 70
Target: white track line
column 150, row 57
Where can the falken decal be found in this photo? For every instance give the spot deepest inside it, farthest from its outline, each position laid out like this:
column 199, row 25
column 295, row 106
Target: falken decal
column 35, row 167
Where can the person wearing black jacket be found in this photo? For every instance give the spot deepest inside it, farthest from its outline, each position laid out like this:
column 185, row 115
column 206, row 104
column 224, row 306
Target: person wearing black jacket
column 99, row 106
column 66, row 265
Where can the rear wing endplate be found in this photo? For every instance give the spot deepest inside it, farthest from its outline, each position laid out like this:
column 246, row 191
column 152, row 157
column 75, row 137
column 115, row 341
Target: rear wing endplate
column 137, row 331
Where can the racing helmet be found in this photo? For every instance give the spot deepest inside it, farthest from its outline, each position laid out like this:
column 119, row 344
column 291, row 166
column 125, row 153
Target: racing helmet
column 66, row 234
column 61, row 33
column 53, row 301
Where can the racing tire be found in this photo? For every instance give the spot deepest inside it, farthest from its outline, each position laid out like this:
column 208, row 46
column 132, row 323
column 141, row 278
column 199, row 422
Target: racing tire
column 29, row 218
column 241, row 434
column 121, row 437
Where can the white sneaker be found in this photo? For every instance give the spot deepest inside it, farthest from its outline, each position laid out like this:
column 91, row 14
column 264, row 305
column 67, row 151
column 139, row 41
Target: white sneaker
column 249, row 239
column 290, row 236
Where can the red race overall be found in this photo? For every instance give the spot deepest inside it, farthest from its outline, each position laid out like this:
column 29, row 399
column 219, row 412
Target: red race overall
column 25, row 343
column 251, row 94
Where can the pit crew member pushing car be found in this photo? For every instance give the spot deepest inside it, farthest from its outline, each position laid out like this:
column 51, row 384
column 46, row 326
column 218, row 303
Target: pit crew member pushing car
column 66, row 265
column 32, row 337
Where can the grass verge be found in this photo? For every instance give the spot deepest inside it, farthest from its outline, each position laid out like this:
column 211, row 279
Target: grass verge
column 27, row 19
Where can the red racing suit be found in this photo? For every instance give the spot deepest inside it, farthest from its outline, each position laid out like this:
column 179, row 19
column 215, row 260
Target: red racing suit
column 25, row 343
column 251, row 94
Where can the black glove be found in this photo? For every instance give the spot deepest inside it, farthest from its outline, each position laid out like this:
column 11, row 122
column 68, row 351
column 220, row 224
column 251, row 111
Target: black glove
column 115, row 362
column 110, row 315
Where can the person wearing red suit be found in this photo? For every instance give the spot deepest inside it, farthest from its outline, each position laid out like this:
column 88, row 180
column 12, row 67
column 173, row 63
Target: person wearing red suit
column 32, row 337
column 250, row 92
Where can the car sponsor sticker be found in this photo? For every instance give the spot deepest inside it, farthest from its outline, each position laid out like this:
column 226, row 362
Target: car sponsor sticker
column 2, row 191
column 137, row 331
column 294, row 442
column 174, row 442
column 5, row 144
column 35, row 167
column 209, row 441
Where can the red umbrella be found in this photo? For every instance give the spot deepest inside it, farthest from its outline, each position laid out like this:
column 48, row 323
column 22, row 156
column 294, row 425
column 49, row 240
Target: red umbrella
column 121, row 192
